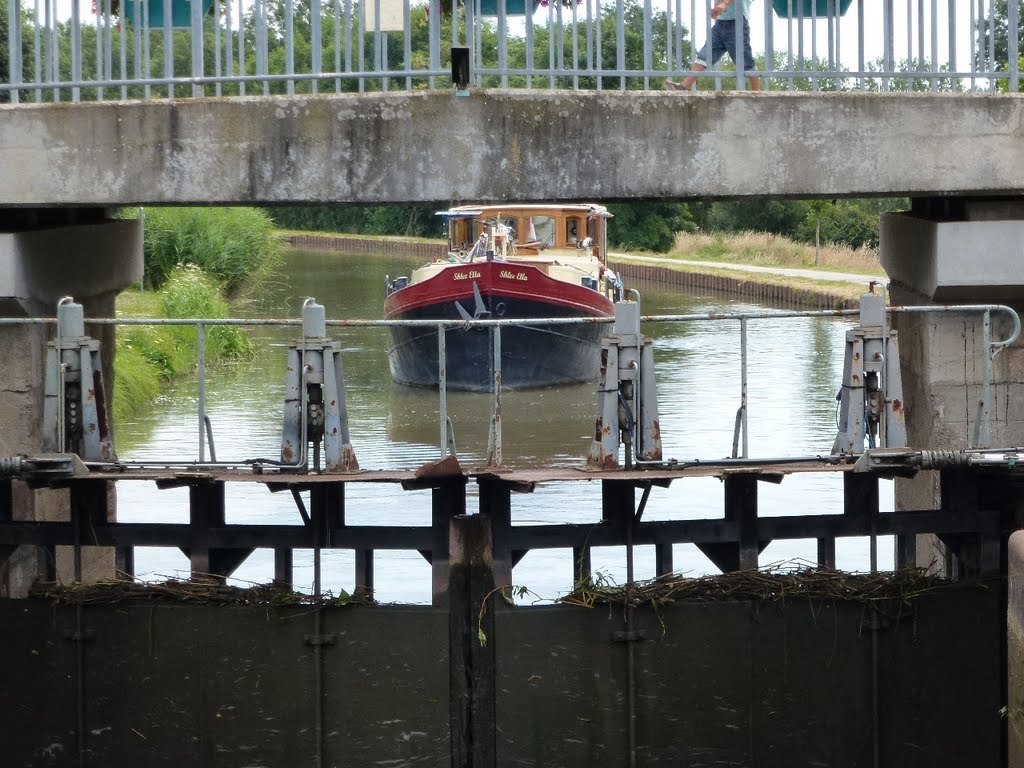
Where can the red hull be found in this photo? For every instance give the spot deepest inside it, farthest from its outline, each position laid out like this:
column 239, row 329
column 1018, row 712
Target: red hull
column 496, row 281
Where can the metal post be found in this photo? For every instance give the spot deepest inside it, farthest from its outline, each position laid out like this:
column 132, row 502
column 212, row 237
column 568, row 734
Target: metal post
column 986, row 380
column 494, row 457
column 442, row 388
column 201, row 374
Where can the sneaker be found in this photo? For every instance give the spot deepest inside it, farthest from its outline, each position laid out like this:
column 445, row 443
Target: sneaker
column 674, row 86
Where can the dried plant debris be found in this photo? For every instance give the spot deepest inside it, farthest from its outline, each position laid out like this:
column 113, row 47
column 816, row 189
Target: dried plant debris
column 772, row 584
column 196, row 591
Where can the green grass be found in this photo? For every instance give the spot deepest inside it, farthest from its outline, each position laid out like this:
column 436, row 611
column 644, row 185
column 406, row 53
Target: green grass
column 149, row 355
column 230, row 245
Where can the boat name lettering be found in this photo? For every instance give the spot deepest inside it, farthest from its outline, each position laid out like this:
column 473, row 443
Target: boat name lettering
column 512, row 275
column 473, row 275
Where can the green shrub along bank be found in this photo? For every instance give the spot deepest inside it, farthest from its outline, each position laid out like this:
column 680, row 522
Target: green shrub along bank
column 193, row 258
column 231, row 245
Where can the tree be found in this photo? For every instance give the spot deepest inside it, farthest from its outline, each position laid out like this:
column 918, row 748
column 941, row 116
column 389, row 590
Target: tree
column 648, row 226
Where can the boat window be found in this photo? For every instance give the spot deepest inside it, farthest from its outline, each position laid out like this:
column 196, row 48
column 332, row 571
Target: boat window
column 540, row 229
column 511, row 223
column 459, row 233
column 572, row 227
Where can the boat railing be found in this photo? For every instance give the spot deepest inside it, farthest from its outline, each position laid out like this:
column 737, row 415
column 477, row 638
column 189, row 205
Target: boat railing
column 743, row 320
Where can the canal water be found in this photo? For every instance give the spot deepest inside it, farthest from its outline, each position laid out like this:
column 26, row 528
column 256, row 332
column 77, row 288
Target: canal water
column 794, row 370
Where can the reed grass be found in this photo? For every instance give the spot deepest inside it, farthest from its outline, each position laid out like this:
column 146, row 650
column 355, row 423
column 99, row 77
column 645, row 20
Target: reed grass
column 771, row 250
column 230, row 245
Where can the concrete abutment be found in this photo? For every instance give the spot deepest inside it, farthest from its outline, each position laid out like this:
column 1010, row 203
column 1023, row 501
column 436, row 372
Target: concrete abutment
column 77, row 253
column 955, row 251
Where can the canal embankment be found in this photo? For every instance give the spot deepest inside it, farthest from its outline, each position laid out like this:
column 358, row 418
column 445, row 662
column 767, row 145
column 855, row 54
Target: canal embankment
column 759, row 284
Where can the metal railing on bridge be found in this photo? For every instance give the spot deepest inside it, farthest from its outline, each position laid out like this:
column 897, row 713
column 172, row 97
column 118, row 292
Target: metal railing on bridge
column 142, row 49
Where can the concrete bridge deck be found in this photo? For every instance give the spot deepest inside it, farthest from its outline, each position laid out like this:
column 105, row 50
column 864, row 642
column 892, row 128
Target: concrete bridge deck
column 496, row 145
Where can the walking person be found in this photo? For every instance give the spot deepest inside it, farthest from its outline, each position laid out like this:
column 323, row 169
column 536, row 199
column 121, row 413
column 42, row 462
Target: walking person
column 723, row 39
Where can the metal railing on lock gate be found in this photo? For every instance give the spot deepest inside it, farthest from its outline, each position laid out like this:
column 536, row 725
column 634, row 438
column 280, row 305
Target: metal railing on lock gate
column 740, row 446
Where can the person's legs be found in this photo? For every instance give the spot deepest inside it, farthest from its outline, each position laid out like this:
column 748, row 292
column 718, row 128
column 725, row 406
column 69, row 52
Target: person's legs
column 719, row 45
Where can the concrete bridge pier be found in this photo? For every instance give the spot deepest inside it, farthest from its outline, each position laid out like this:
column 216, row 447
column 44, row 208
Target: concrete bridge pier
column 955, row 251
column 46, row 254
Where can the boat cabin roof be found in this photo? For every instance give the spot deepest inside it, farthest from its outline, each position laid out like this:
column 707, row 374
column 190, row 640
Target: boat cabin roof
column 512, row 209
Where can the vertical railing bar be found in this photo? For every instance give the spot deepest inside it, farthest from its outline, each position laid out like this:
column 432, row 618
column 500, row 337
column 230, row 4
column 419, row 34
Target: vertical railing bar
column 559, row 38
column 888, row 46
column 743, row 384
column 378, row 44
column 935, row 45
column 834, row 57
column 590, row 30
column 912, row 63
column 264, row 46
column 217, row 31
column 789, row 44
column 814, row 46
column 14, row 47
column 551, row 45
column 229, row 40
column 1013, row 23
column 986, row 380
column 198, row 65
column 37, row 58
column 737, row 41
column 992, row 45
column 348, row 35
column 529, row 44
column 952, row 38
column 168, row 47
column 496, row 418
column 241, row 49
column 360, row 44
column 289, row 45
column 99, row 57
column 336, row 25
column 502, row 42
column 620, row 42
column 76, row 51
column 648, row 53
column 142, row 12
column 123, row 63
column 575, row 48
column 442, row 387
column 860, row 45
column 434, row 37
column 975, row 46
column 769, row 46
column 108, row 34
column 598, row 44
column 52, row 45
column 201, row 375
column 407, row 47
column 316, row 43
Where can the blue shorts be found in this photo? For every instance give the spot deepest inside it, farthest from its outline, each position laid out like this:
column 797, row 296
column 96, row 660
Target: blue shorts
column 723, row 39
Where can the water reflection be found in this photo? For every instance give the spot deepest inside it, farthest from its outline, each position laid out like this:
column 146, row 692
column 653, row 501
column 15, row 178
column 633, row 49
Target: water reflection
column 794, row 369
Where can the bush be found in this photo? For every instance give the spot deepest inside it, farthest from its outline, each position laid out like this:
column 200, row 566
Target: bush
column 227, row 244
column 148, row 355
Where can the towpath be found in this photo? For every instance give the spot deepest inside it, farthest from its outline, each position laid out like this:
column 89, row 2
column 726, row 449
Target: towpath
column 811, row 274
